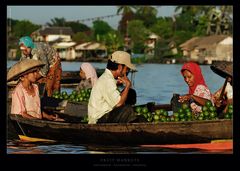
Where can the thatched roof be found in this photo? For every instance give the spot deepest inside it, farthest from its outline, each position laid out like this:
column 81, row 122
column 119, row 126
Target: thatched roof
column 202, row 42
column 209, row 41
column 189, row 44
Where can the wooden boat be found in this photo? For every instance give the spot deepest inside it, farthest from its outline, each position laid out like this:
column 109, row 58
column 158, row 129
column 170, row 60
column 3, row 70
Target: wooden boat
column 124, row 133
column 71, row 77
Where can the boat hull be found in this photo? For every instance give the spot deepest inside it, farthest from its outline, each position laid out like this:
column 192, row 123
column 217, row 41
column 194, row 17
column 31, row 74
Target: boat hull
column 125, row 133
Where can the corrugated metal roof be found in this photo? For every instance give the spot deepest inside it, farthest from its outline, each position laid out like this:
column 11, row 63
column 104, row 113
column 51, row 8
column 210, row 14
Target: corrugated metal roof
column 64, row 44
column 56, row 31
column 90, row 46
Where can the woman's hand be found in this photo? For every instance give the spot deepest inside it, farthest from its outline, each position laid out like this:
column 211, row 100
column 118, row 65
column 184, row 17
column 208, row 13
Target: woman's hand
column 184, row 98
column 52, row 117
column 58, row 119
column 217, row 101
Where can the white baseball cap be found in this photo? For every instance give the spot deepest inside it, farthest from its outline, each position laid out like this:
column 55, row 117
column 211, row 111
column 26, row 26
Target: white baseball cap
column 122, row 57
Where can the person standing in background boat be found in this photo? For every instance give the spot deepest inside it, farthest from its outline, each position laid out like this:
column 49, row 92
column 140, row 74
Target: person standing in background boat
column 51, row 72
column 88, row 76
column 223, row 98
column 199, row 92
column 227, row 96
column 25, row 97
column 107, row 103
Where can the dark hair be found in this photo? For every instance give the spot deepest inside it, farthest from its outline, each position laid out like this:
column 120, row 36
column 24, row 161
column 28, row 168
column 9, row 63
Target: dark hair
column 112, row 65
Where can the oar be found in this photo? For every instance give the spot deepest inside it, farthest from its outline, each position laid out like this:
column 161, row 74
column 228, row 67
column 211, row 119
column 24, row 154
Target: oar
column 223, row 89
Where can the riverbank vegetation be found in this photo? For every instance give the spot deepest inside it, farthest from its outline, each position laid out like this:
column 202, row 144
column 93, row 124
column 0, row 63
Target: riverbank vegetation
column 135, row 28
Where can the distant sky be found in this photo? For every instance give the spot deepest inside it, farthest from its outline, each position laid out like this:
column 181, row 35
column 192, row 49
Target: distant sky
column 43, row 14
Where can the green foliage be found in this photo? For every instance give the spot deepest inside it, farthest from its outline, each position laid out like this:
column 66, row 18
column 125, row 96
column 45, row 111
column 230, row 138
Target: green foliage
column 181, row 36
column 163, row 27
column 101, row 27
column 78, row 27
column 23, row 28
column 138, row 22
column 184, row 22
column 138, row 34
column 138, row 47
column 126, row 9
column 127, row 15
column 201, row 26
column 162, row 49
column 147, row 14
column 81, row 36
column 60, row 22
column 11, row 22
column 113, row 41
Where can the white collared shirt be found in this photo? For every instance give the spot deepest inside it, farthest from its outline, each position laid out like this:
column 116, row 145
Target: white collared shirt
column 104, row 97
column 229, row 91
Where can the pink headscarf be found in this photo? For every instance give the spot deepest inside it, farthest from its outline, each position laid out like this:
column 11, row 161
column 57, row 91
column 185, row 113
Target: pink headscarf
column 90, row 72
column 196, row 71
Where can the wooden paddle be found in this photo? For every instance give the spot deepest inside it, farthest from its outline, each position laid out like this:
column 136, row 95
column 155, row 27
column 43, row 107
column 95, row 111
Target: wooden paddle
column 221, row 104
column 222, row 92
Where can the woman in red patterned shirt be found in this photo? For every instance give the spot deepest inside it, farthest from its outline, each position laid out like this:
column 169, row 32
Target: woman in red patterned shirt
column 199, row 92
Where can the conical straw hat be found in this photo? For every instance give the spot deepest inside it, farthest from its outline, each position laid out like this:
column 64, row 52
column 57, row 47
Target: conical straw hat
column 223, row 69
column 22, row 67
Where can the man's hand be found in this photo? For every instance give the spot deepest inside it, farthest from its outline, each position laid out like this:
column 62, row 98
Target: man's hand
column 124, row 80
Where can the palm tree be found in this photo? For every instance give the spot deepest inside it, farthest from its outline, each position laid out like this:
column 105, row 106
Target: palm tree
column 146, row 10
column 126, row 9
column 220, row 21
column 148, row 14
column 57, row 22
column 127, row 15
column 193, row 9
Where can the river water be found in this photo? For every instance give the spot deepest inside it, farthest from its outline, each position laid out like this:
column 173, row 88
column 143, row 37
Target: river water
column 152, row 82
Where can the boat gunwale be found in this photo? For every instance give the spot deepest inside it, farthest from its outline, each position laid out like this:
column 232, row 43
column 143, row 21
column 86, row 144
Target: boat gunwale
column 16, row 117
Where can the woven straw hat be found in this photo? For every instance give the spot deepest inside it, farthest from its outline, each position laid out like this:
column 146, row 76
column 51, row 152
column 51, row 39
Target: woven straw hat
column 23, row 67
column 224, row 69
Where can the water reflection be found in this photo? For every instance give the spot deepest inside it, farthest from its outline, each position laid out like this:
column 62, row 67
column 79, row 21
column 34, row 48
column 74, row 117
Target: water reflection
column 21, row 147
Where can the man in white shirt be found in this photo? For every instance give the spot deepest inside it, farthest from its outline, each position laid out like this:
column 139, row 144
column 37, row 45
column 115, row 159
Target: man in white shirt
column 107, row 103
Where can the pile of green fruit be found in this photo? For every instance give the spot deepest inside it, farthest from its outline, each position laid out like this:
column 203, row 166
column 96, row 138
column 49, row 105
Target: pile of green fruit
column 85, row 119
column 75, row 96
column 159, row 115
column 209, row 112
column 229, row 113
column 183, row 114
